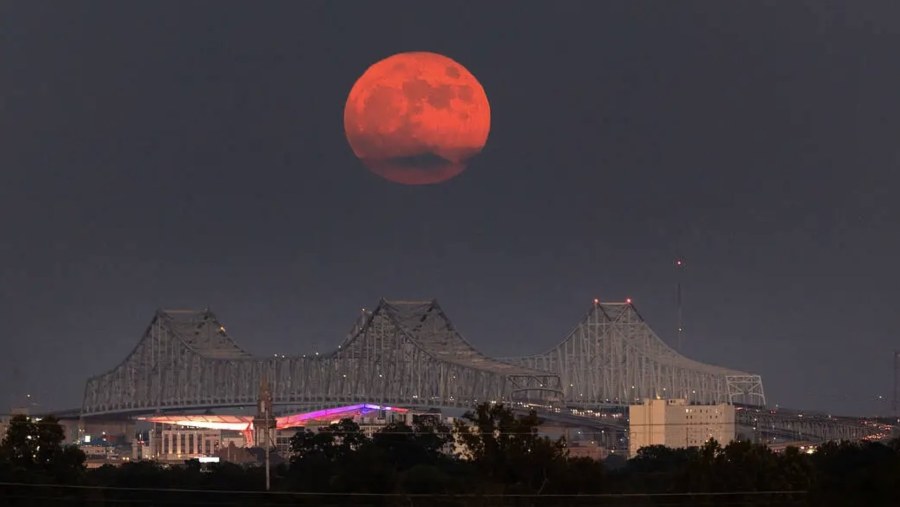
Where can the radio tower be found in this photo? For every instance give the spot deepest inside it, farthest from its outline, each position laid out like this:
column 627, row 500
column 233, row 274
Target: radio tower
column 897, row 384
column 679, row 267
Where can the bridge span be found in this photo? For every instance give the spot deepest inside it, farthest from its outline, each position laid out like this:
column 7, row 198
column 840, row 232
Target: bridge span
column 613, row 356
column 403, row 353
column 408, row 353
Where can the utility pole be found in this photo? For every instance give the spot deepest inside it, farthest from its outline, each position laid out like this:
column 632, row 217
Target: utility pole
column 265, row 422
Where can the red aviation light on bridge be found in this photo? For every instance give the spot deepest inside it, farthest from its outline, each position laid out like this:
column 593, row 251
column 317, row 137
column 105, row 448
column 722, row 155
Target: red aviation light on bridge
column 627, row 301
column 596, row 301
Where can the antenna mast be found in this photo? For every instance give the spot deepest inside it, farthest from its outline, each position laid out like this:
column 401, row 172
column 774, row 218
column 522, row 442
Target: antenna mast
column 897, row 384
column 679, row 267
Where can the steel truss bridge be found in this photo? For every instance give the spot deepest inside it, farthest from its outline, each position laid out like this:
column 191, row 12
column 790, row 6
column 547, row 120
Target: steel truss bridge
column 408, row 353
column 613, row 357
column 760, row 424
column 402, row 353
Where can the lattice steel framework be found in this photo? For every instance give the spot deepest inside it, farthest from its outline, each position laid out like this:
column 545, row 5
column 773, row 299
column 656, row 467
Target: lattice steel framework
column 816, row 428
column 613, row 356
column 405, row 353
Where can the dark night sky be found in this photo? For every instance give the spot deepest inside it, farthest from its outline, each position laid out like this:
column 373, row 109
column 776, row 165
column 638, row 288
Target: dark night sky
column 191, row 154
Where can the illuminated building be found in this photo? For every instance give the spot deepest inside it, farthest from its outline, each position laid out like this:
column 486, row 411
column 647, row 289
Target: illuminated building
column 677, row 424
column 244, row 423
column 592, row 451
column 171, row 443
column 180, row 437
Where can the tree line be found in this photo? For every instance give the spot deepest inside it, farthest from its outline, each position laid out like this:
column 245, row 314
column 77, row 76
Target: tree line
column 490, row 457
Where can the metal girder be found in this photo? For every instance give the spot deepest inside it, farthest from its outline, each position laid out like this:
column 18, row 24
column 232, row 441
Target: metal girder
column 409, row 353
column 613, row 356
column 745, row 388
column 405, row 353
column 815, row 428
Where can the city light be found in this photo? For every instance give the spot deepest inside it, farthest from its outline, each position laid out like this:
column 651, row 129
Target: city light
column 244, row 423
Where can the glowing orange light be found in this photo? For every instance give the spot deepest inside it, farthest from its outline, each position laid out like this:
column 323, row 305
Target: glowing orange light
column 416, row 118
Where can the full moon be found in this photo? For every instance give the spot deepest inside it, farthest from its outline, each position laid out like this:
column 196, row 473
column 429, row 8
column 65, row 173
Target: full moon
column 417, row 118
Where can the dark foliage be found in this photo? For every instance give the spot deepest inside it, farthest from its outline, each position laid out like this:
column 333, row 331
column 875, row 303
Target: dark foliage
column 32, row 451
column 498, row 458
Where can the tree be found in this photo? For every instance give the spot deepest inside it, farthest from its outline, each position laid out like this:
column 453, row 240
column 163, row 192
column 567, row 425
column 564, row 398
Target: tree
column 507, row 449
column 318, row 458
column 36, row 446
column 19, row 446
column 580, row 475
column 406, row 446
column 745, row 466
column 333, row 442
column 661, row 469
column 432, row 435
column 49, row 436
column 859, row 473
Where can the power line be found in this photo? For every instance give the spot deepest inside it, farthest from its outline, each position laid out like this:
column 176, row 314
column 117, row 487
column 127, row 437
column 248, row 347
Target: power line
column 406, row 495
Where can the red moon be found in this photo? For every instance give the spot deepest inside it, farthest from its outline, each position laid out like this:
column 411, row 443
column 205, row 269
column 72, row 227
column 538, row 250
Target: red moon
column 416, row 118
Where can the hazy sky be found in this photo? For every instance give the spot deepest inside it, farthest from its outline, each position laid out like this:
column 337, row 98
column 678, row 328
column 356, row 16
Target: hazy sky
column 192, row 154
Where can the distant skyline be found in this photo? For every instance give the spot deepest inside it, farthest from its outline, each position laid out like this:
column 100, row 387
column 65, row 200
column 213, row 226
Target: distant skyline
column 191, row 155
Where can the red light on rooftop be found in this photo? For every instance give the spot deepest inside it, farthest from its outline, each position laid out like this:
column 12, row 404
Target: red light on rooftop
column 628, row 301
column 596, row 301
